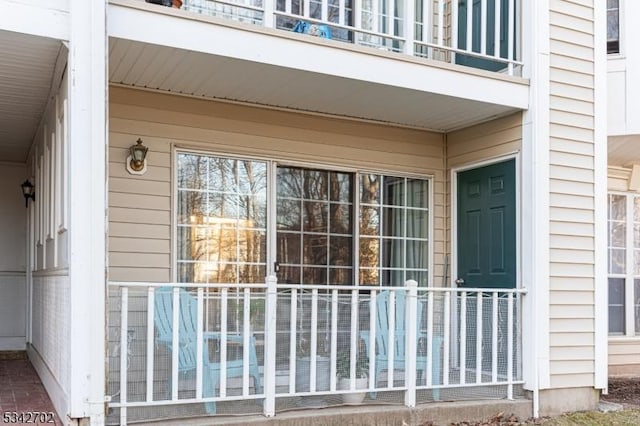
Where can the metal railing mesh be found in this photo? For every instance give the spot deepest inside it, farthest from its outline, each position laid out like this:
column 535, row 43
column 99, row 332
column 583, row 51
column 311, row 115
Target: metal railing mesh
column 184, row 350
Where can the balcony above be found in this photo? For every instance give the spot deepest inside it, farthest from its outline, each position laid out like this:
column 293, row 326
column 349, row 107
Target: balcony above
column 362, row 62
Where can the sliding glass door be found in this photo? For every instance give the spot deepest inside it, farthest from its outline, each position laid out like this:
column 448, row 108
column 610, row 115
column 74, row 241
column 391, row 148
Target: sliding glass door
column 332, row 227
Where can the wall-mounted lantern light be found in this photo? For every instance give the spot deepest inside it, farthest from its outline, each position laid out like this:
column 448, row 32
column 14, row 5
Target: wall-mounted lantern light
column 28, row 191
column 136, row 161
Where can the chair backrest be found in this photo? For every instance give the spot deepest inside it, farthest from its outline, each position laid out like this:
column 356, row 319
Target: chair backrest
column 382, row 333
column 188, row 322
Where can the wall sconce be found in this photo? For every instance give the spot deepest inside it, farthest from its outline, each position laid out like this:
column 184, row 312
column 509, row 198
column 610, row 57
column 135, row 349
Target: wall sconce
column 28, row 191
column 136, row 161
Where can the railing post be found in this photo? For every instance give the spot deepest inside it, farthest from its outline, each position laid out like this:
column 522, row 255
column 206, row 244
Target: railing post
column 124, row 352
column 409, row 27
column 268, row 19
column 270, row 347
column 411, row 329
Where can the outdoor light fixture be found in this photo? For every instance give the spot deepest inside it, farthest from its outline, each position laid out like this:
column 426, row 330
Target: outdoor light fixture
column 28, row 192
column 136, row 164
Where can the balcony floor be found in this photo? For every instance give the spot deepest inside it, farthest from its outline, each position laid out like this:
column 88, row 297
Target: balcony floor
column 21, row 390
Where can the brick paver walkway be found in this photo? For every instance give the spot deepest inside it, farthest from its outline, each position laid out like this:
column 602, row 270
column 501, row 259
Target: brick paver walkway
column 21, row 392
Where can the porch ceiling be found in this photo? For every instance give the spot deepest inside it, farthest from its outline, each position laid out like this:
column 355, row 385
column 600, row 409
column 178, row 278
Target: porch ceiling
column 623, row 150
column 186, row 72
column 27, row 66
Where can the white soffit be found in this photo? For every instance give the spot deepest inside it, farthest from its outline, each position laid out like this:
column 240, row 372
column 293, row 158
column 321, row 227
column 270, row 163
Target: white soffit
column 168, row 69
column 27, row 66
column 624, row 151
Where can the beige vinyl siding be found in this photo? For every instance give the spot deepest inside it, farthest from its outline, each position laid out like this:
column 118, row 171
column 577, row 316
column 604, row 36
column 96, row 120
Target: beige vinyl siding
column 571, row 186
column 140, row 218
column 484, row 141
column 624, row 356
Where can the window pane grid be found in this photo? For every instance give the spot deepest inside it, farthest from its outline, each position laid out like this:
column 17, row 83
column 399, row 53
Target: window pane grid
column 393, row 230
column 315, row 212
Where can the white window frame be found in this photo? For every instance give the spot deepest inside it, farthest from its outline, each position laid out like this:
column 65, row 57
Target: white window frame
column 628, row 276
column 272, row 164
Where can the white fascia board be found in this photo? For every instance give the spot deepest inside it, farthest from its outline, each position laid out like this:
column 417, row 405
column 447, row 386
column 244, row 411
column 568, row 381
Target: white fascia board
column 600, row 198
column 180, row 30
column 45, row 19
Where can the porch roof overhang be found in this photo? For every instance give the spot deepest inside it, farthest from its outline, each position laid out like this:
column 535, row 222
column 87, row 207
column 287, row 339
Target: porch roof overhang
column 176, row 51
column 28, row 68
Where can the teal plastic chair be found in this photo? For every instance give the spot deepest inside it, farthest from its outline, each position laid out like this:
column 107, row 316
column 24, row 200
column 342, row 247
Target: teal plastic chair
column 383, row 346
column 187, row 344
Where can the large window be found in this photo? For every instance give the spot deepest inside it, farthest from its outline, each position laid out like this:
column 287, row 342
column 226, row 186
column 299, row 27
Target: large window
column 327, row 227
column 613, row 26
column 624, row 264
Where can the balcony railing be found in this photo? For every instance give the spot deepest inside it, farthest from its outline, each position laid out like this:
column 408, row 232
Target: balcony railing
column 483, row 34
column 265, row 348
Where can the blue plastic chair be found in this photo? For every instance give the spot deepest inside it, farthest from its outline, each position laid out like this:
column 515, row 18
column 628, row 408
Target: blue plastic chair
column 383, row 346
column 187, row 343
column 318, row 30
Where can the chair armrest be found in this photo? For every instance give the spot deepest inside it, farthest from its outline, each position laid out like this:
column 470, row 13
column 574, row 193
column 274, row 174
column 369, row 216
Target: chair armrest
column 216, row 335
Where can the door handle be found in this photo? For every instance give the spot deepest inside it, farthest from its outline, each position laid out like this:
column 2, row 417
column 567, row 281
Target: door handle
column 460, row 281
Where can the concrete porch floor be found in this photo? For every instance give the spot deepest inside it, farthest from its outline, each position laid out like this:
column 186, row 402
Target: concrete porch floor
column 21, row 390
column 441, row 413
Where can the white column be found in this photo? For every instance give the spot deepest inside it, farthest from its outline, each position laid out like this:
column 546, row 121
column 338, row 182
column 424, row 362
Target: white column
column 87, row 207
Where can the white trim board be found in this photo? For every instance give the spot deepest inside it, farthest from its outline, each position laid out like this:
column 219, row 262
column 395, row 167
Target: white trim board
column 13, row 343
column 535, row 192
column 600, row 198
column 45, row 18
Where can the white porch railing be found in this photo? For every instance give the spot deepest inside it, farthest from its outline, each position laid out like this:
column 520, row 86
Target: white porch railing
column 252, row 345
column 488, row 37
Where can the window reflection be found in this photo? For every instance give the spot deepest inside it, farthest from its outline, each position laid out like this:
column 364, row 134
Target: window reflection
column 315, row 226
column 222, row 224
column 222, row 219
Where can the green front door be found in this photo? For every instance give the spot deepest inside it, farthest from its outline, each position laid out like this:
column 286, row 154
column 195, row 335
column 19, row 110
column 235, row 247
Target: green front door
column 486, row 226
column 476, row 38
